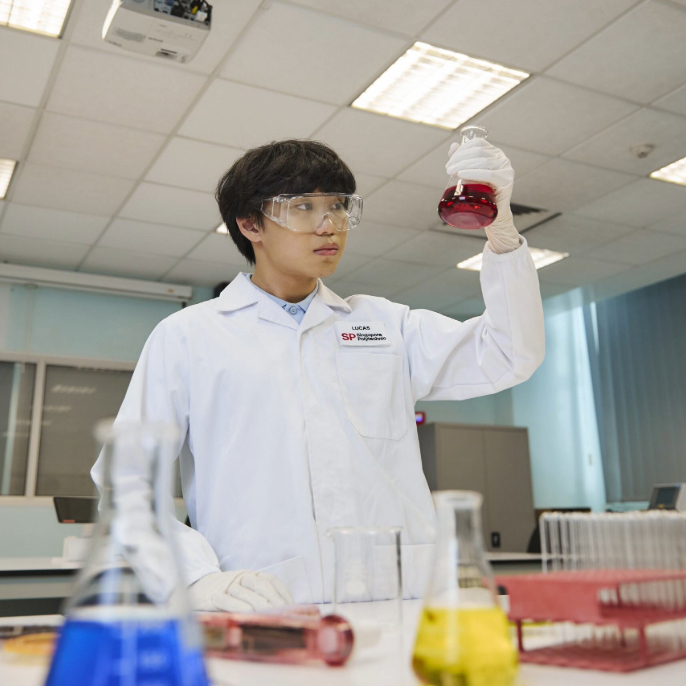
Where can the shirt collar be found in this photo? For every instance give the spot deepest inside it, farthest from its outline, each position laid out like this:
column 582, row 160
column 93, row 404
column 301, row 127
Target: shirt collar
column 303, row 304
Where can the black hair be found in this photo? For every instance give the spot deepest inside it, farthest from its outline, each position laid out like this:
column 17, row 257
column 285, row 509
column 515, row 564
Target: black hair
column 290, row 166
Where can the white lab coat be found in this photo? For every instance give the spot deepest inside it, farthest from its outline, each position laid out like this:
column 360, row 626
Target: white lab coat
column 289, row 433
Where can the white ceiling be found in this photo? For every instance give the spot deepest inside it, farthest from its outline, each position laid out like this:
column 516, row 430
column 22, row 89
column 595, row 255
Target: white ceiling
column 119, row 154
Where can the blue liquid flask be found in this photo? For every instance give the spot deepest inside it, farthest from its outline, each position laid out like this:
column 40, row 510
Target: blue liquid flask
column 128, row 622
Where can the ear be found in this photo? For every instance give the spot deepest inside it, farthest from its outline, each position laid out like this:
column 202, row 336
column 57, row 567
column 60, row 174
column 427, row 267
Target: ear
column 248, row 227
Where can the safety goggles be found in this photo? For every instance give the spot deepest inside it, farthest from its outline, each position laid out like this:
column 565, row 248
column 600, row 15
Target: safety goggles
column 306, row 212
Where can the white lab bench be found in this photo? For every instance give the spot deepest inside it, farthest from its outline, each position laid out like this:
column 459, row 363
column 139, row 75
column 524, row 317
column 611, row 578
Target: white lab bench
column 386, row 664
column 38, row 585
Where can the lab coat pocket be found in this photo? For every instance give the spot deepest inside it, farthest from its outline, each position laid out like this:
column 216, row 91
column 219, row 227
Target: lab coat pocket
column 293, row 575
column 374, row 393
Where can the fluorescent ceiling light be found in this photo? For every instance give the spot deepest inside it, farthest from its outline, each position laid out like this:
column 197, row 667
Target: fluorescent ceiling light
column 40, row 16
column 675, row 172
column 94, row 283
column 221, row 229
column 434, row 86
column 541, row 258
column 6, row 171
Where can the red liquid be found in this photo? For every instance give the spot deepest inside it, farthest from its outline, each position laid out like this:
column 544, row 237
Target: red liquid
column 473, row 208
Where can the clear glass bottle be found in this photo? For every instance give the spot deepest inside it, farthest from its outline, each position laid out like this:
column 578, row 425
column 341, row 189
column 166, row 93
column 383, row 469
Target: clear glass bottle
column 463, row 636
column 128, row 622
column 468, row 205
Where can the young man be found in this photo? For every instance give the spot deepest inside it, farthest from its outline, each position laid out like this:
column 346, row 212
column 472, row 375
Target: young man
column 297, row 406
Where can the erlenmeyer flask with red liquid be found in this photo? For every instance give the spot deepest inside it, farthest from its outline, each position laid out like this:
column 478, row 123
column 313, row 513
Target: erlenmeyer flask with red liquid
column 468, row 205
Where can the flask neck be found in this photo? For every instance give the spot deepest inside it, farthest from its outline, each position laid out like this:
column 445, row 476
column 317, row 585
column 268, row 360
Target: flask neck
column 461, row 575
column 469, row 133
column 136, row 477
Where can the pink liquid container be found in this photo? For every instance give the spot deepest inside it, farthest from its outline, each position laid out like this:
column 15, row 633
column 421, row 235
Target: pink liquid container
column 468, row 205
column 295, row 636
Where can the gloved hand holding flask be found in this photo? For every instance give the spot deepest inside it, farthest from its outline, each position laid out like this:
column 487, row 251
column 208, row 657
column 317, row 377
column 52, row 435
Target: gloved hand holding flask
column 479, row 191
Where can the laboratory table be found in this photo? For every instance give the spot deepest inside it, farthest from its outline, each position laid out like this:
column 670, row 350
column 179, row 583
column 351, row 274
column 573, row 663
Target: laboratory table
column 386, row 664
column 39, row 585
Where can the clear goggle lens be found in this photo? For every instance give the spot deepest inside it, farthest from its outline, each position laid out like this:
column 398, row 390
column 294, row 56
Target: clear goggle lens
column 307, row 212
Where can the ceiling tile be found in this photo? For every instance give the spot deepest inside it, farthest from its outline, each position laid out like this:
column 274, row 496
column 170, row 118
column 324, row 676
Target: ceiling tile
column 28, row 60
column 613, row 62
column 335, row 73
column 154, row 239
column 441, row 290
column 438, row 249
column 40, row 223
column 528, row 34
column 639, row 204
column 673, row 224
column 201, row 273
column 575, row 271
column 391, row 273
column 368, row 183
column 466, row 309
column 16, row 125
column 403, row 204
column 640, row 247
column 234, row 114
column 173, row 206
column 430, row 169
column 564, row 185
column 550, row 290
column 126, row 263
column 376, row 144
column 673, row 102
column 66, row 189
column 549, row 116
column 218, row 248
column 404, row 16
column 374, row 239
column 192, row 164
column 40, row 253
column 93, row 146
column 228, row 20
column 611, row 148
column 640, row 276
column 122, row 90
column 575, row 235
column 348, row 263
column 345, row 288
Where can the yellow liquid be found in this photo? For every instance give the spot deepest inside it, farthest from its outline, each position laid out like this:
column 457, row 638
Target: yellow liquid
column 464, row 648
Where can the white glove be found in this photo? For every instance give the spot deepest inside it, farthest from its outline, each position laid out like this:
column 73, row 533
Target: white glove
column 239, row 591
column 479, row 161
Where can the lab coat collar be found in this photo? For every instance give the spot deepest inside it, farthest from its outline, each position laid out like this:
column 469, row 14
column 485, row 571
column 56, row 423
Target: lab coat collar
column 241, row 293
column 238, row 294
column 331, row 299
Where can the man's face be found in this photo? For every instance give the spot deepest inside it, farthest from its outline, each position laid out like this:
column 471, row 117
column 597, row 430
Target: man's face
column 302, row 254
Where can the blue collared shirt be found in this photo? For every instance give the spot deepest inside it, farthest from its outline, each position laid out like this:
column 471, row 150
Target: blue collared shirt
column 296, row 310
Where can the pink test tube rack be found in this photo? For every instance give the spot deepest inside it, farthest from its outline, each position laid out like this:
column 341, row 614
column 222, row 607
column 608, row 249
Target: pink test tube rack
column 628, row 603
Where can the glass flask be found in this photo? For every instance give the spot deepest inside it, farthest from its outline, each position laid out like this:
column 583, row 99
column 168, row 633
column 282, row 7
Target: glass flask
column 468, row 205
column 463, row 636
column 128, row 621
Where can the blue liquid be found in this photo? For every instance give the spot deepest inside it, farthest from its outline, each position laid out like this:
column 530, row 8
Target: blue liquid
column 126, row 653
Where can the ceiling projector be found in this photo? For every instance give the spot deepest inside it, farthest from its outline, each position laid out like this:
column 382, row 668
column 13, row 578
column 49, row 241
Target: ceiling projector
column 169, row 29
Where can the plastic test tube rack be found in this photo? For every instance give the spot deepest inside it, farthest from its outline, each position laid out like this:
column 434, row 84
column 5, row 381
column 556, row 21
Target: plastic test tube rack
column 612, row 620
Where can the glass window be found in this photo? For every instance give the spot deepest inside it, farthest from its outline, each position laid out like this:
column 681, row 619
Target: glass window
column 75, row 400
column 16, row 401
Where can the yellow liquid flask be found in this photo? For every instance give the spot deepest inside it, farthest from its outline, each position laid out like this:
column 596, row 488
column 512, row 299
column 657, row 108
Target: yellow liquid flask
column 128, row 622
column 463, row 637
